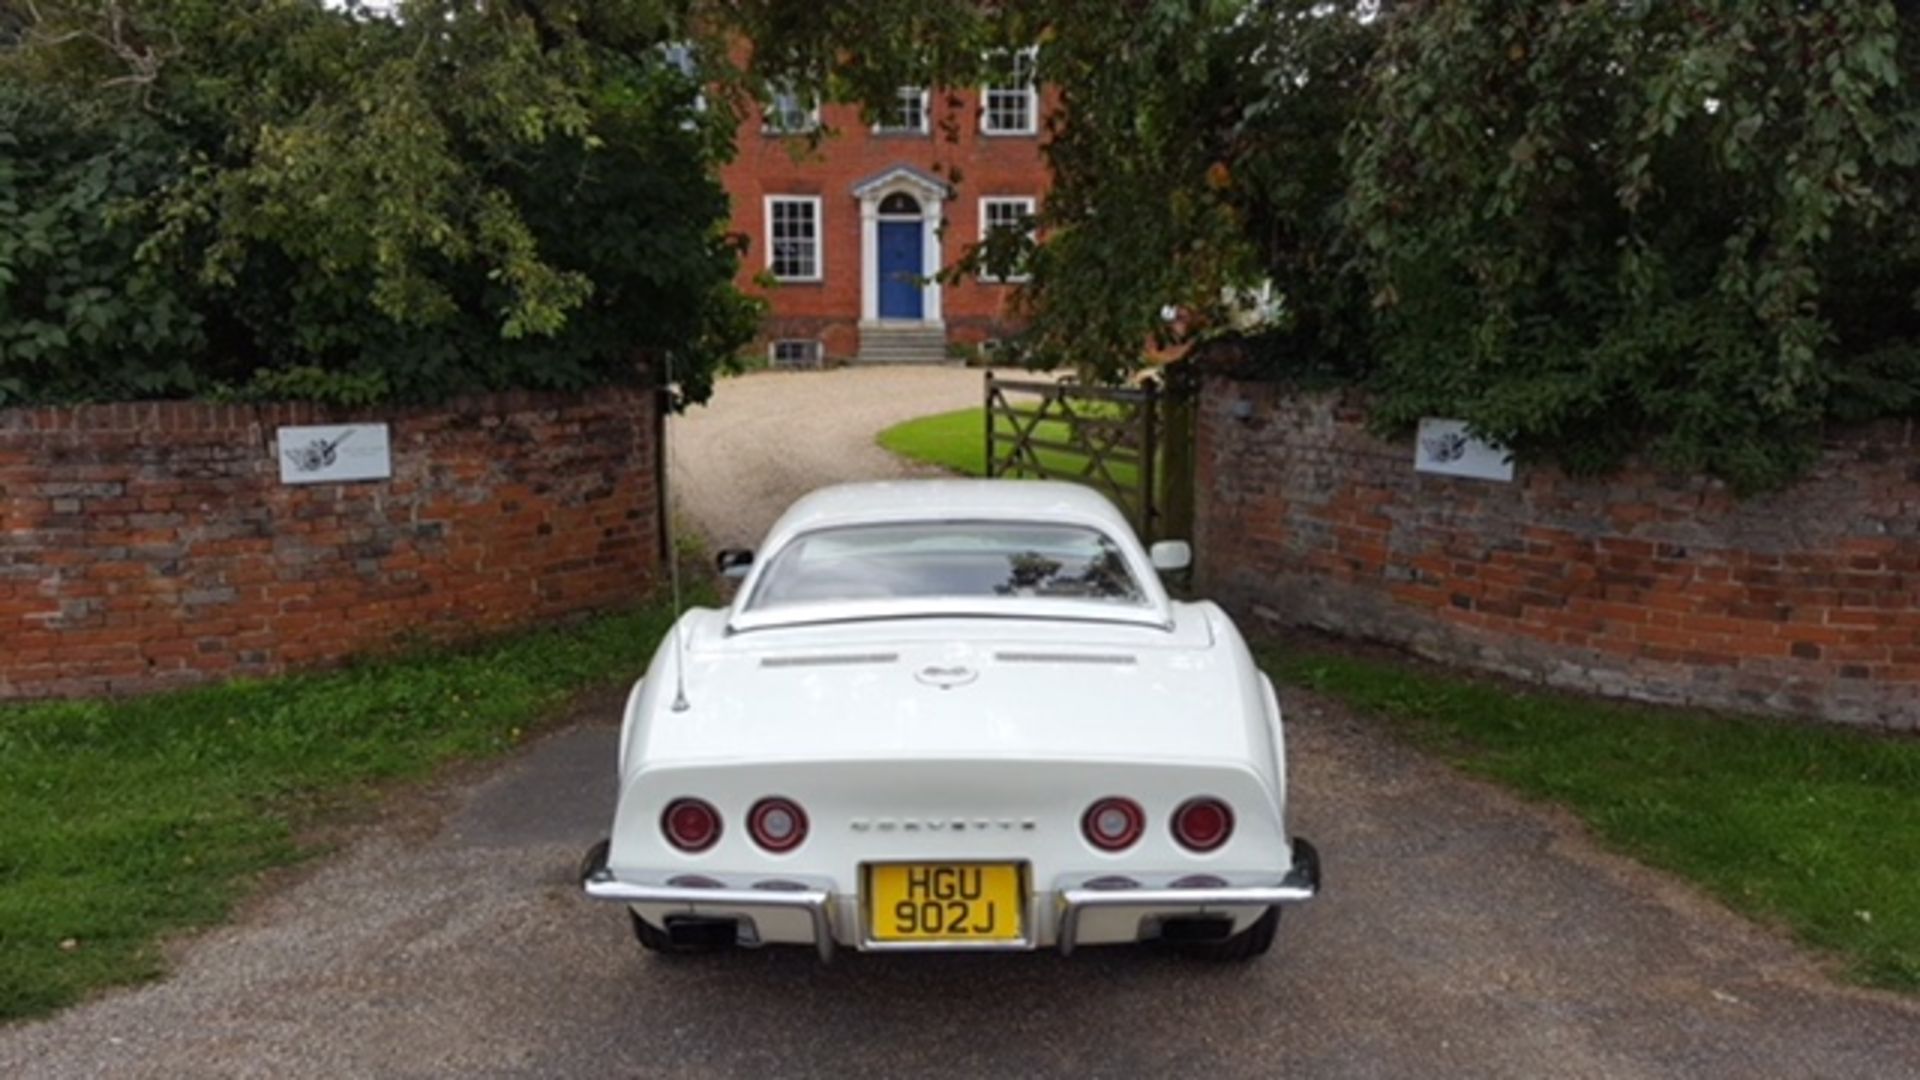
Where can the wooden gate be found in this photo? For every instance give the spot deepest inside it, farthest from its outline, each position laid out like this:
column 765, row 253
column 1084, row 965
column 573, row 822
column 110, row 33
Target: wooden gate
column 1110, row 438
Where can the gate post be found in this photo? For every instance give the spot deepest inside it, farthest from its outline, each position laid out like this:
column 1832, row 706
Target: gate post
column 986, row 446
column 1149, row 440
column 1176, row 467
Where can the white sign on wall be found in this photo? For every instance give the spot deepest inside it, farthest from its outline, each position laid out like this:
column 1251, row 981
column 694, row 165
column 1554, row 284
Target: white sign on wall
column 333, row 454
column 1443, row 446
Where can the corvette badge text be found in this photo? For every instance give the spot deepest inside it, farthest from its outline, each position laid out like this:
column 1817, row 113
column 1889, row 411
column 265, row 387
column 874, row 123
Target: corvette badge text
column 942, row 824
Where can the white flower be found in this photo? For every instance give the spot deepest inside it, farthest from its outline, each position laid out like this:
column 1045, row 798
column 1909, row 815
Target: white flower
column 1252, row 309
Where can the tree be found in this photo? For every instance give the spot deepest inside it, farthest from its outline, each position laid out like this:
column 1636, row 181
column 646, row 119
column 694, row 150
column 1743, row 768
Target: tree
column 455, row 197
column 1588, row 228
column 1689, row 228
column 1197, row 154
column 71, row 282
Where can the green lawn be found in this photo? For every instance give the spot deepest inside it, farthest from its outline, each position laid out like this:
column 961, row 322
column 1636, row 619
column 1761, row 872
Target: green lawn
column 123, row 821
column 1815, row 828
column 951, row 440
column 956, row 441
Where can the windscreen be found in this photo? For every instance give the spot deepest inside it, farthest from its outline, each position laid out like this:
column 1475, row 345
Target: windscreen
column 957, row 560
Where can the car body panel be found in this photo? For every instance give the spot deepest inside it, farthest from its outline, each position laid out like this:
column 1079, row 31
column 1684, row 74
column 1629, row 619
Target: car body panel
column 957, row 687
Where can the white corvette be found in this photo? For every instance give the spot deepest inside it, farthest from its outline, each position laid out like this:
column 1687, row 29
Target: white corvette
column 953, row 715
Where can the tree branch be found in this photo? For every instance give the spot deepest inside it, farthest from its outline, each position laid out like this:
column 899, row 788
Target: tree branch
column 113, row 34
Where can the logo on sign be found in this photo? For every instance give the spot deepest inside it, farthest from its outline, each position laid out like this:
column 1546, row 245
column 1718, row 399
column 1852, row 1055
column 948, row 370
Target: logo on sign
column 318, row 454
column 1450, row 448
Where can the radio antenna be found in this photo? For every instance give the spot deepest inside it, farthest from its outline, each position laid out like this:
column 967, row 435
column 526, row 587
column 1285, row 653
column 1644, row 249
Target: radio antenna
column 667, row 398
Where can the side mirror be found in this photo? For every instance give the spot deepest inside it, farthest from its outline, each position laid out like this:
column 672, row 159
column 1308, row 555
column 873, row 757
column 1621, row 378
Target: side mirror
column 733, row 562
column 1170, row 556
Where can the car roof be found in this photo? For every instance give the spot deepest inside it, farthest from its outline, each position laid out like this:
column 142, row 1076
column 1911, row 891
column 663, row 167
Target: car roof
column 948, row 500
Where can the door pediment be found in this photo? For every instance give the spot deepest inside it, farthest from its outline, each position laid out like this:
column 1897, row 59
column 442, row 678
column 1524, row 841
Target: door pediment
column 921, row 185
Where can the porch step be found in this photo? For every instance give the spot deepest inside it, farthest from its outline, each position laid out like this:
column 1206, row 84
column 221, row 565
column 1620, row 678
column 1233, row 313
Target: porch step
column 903, row 345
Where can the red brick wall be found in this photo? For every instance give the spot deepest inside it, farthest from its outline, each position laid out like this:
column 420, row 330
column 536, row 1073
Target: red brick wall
column 147, row 546
column 975, row 165
column 1804, row 602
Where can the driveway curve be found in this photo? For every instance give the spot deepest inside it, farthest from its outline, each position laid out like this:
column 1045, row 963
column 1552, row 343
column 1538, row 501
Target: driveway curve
column 768, row 438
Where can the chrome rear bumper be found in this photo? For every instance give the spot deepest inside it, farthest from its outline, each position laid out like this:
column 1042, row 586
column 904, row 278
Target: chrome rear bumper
column 600, row 884
column 1301, row 883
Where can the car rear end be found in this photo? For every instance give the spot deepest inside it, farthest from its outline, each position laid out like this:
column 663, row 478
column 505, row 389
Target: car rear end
column 943, row 854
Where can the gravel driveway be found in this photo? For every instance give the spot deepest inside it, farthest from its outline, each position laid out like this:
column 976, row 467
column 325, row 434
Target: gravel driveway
column 769, row 438
column 1462, row 932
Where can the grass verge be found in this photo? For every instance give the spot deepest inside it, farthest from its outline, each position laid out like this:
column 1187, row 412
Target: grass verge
column 1814, row 828
column 957, row 441
column 952, row 440
column 123, row 821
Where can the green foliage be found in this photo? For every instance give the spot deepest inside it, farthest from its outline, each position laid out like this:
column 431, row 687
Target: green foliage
column 1809, row 826
column 456, row 198
column 1595, row 227
column 1124, row 150
column 79, row 308
column 348, row 388
column 121, row 822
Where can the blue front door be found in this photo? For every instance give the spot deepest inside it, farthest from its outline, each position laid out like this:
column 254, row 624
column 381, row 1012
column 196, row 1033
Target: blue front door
column 899, row 270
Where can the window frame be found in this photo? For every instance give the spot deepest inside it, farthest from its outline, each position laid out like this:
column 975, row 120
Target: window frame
column 1032, row 91
column 683, row 57
column 767, row 114
column 881, row 126
column 1030, row 206
column 816, row 352
column 819, row 236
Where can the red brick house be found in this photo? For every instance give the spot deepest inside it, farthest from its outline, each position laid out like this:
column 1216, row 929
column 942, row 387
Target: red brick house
column 852, row 231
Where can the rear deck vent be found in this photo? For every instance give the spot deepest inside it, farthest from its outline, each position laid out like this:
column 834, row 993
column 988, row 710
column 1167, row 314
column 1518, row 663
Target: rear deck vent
column 831, row 660
column 1118, row 659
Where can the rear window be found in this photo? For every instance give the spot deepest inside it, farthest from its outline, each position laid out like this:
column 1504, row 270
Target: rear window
column 947, row 560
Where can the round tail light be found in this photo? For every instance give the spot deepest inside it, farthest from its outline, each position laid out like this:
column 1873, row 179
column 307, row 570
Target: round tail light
column 1202, row 824
column 777, row 824
column 1113, row 823
column 692, row 825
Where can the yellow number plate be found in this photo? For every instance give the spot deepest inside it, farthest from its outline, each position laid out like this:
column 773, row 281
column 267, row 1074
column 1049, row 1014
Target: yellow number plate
column 945, row 902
